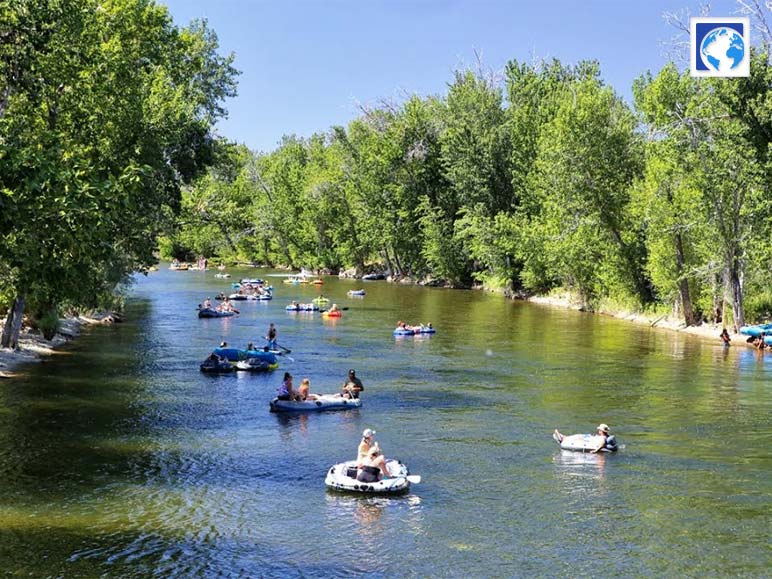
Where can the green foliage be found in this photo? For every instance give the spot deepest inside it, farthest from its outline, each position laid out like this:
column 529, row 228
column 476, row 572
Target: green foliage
column 103, row 118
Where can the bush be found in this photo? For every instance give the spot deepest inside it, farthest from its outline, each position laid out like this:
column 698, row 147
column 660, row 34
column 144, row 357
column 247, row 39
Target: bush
column 48, row 324
column 758, row 307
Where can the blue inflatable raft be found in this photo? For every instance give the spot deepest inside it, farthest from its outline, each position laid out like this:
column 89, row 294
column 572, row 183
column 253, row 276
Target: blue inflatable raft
column 757, row 330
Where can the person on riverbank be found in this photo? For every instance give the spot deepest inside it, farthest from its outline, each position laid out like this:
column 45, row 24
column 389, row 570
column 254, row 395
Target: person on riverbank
column 286, row 391
column 352, row 386
column 368, row 443
column 725, row 337
column 271, row 337
column 374, row 467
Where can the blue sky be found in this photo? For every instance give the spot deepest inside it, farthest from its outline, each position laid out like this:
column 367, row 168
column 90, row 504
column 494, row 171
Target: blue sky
column 306, row 64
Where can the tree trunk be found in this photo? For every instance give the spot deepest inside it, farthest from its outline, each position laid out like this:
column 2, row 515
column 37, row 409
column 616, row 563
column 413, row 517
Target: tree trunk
column 736, row 289
column 683, row 284
column 12, row 328
column 388, row 260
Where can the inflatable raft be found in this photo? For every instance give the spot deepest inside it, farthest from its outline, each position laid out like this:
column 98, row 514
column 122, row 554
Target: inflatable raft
column 253, row 365
column 342, row 477
column 210, row 313
column 758, row 330
column 586, row 442
column 237, row 355
column 360, row 292
column 250, row 297
column 216, row 366
column 324, row 402
column 404, row 332
column 335, row 314
column 302, row 308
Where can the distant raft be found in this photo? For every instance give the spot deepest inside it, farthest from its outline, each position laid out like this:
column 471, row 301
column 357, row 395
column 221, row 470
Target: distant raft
column 342, row 477
column 302, row 308
column 211, row 313
column 250, row 297
column 359, row 292
column 323, row 402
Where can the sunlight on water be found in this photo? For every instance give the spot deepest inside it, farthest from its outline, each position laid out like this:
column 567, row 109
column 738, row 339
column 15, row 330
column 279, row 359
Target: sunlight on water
column 122, row 459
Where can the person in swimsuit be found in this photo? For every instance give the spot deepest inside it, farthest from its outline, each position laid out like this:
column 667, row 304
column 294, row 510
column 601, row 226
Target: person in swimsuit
column 603, row 433
column 286, row 392
column 374, row 467
column 303, row 391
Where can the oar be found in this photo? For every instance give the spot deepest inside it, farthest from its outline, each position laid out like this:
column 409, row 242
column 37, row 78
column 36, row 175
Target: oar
column 326, row 310
column 286, row 350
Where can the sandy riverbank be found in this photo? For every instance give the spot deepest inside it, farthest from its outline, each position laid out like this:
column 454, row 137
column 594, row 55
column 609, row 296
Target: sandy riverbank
column 707, row 331
column 33, row 347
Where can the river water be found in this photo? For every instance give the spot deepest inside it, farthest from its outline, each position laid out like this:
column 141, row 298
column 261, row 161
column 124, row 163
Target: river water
column 119, row 458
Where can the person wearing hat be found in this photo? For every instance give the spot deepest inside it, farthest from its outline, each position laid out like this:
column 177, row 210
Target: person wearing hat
column 352, row 386
column 373, row 467
column 366, row 445
column 603, row 431
column 603, row 434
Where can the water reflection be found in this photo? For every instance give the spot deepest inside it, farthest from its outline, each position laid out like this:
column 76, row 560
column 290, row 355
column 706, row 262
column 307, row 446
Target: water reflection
column 581, row 472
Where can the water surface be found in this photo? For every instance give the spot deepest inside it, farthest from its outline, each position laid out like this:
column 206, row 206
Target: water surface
column 119, row 458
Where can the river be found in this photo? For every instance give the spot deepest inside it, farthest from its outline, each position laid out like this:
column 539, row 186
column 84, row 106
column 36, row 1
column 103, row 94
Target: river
column 119, row 458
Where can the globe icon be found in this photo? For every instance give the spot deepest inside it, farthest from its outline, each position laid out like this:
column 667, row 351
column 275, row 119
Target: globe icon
column 722, row 49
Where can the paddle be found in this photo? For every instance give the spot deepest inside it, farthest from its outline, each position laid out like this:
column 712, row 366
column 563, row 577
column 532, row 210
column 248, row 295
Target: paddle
column 285, row 350
column 326, row 310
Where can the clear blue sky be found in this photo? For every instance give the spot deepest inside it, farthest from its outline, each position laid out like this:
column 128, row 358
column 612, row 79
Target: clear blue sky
column 305, row 64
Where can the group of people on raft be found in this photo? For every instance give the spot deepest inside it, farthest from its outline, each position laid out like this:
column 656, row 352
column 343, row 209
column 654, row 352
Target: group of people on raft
column 225, row 306
column 351, row 388
column 417, row 329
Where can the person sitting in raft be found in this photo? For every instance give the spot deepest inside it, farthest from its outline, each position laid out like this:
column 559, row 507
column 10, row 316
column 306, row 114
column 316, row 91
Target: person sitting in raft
column 223, row 344
column 367, row 444
column 208, row 303
column 725, row 337
column 352, row 386
column 333, row 308
column 303, row 391
column 250, row 346
column 373, row 467
column 286, row 391
column 603, row 433
column 220, row 296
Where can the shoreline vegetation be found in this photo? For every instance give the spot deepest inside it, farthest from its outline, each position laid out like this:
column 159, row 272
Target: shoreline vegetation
column 541, row 179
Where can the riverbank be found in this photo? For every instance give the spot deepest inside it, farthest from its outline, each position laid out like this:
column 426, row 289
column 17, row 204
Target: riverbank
column 33, row 347
column 705, row 330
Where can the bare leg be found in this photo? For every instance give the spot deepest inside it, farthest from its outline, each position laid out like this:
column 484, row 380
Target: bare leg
column 557, row 436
